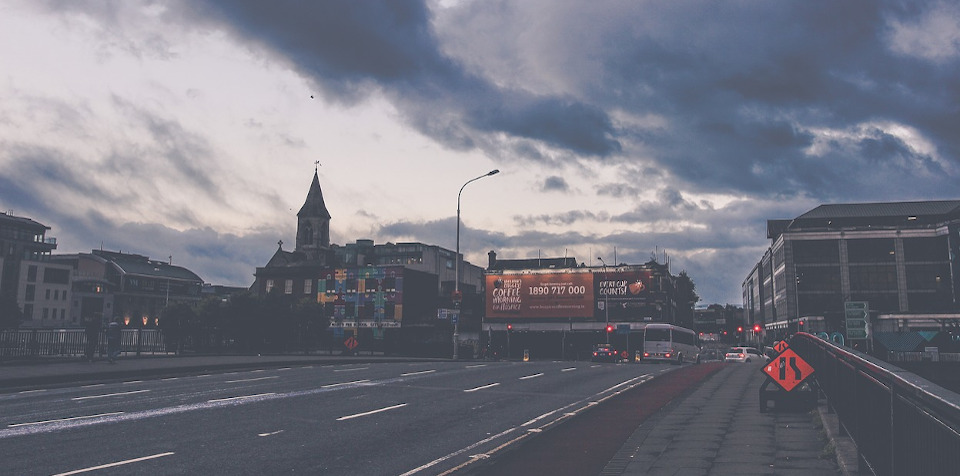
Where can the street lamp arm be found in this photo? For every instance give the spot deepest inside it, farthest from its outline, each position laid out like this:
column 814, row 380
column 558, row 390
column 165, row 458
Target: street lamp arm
column 456, row 259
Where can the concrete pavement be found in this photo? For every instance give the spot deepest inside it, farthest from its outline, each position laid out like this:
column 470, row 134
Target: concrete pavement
column 718, row 430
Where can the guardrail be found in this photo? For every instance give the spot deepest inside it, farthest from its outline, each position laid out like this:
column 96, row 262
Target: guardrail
column 20, row 343
column 902, row 424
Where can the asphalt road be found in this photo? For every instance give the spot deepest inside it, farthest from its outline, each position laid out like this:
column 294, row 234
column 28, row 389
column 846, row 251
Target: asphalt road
column 370, row 419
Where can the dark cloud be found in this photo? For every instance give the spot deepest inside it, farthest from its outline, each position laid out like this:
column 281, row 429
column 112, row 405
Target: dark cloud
column 555, row 184
column 350, row 49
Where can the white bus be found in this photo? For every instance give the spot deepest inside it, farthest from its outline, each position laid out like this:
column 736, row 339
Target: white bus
column 669, row 343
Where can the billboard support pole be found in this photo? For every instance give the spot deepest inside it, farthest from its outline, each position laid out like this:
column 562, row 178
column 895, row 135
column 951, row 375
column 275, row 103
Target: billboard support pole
column 606, row 303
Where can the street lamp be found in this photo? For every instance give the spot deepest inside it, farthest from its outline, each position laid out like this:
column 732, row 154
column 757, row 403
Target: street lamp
column 606, row 303
column 456, row 266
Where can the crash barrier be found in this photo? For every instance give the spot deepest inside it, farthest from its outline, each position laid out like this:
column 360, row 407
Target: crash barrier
column 901, row 423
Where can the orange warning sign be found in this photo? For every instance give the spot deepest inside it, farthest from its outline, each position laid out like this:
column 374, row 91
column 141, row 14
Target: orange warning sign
column 788, row 370
column 351, row 342
column 780, row 346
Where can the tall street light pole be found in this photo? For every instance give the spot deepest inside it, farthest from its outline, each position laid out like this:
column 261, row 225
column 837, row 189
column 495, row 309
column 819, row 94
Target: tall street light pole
column 456, row 284
column 606, row 303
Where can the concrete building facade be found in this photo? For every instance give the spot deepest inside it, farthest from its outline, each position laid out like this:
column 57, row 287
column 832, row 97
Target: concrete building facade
column 900, row 258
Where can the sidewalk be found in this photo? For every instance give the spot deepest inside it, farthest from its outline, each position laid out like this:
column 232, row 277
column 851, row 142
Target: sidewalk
column 21, row 375
column 719, row 430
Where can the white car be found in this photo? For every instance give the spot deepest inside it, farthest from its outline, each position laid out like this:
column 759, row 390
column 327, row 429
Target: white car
column 743, row 354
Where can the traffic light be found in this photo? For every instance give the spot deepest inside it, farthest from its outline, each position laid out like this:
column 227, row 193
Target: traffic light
column 801, row 323
column 609, row 328
column 756, row 328
column 739, row 329
column 509, row 327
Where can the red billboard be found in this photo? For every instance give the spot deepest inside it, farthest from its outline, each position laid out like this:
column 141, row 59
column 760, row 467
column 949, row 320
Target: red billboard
column 540, row 295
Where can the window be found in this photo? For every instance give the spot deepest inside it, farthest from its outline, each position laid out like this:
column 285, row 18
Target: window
column 925, row 249
column 816, row 251
column 269, row 286
column 56, row 275
column 27, row 312
column 30, row 293
column 288, row 286
column 32, row 274
column 307, row 286
column 872, row 278
column 46, row 313
column 47, row 295
column 873, row 250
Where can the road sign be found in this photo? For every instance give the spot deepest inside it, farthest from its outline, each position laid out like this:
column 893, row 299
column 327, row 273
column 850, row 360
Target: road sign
column 351, row 343
column 623, row 328
column 788, row 370
column 855, row 315
column 780, row 346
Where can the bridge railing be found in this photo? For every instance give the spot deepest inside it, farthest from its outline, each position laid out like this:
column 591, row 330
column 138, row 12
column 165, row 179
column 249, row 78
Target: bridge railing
column 902, row 424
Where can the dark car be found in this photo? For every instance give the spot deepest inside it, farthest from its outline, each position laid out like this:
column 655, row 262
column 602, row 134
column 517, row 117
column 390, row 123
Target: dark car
column 605, row 353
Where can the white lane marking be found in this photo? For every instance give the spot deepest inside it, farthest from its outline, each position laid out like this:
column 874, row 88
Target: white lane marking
column 481, row 388
column 568, row 369
column 251, row 379
column 307, row 367
column 207, row 375
column 271, row 433
column 343, row 383
column 215, row 400
column 118, row 463
column 418, row 373
column 12, row 425
column 109, row 395
column 92, row 385
column 284, row 368
column 458, row 452
column 255, row 371
column 351, row 370
column 541, row 417
column 531, row 376
column 475, row 366
column 31, row 391
column 169, row 379
column 131, row 381
column 348, row 417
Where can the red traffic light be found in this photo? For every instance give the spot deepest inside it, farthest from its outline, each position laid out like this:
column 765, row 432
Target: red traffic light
column 509, row 327
column 609, row 328
column 756, row 328
column 739, row 328
column 801, row 323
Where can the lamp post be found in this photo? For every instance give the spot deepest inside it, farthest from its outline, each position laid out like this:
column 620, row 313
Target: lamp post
column 606, row 303
column 456, row 266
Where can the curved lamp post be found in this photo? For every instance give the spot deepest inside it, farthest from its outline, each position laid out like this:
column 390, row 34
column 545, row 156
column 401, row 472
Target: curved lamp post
column 606, row 303
column 456, row 285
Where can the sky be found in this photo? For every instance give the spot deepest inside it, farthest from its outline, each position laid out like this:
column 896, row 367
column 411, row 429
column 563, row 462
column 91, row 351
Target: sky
column 190, row 130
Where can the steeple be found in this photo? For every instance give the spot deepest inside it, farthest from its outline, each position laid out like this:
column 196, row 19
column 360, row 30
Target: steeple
column 313, row 222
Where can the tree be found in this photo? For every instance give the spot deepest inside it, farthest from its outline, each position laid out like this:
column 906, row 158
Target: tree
column 177, row 321
column 10, row 314
column 687, row 298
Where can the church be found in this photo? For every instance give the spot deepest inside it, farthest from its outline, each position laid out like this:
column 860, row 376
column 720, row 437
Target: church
column 391, row 297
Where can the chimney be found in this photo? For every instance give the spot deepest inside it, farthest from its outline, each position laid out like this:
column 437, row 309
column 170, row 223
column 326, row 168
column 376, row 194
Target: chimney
column 492, row 259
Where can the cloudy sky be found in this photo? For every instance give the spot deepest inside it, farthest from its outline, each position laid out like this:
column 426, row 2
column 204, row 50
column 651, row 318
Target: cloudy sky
column 191, row 128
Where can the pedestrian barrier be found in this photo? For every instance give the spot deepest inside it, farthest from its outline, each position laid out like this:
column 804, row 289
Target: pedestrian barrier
column 901, row 423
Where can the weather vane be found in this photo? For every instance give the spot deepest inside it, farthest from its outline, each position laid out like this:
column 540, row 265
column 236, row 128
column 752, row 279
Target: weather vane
column 316, row 166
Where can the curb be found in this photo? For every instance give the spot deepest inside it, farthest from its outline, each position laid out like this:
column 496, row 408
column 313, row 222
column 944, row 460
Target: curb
column 846, row 450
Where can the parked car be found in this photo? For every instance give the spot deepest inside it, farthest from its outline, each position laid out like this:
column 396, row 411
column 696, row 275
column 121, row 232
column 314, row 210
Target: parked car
column 744, row 354
column 605, row 353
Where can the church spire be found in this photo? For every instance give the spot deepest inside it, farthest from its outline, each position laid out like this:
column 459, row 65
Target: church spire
column 313, row 222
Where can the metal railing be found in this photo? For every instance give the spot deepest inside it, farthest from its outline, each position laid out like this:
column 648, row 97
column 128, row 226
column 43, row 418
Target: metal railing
column 27, row 343
column 902, row 424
